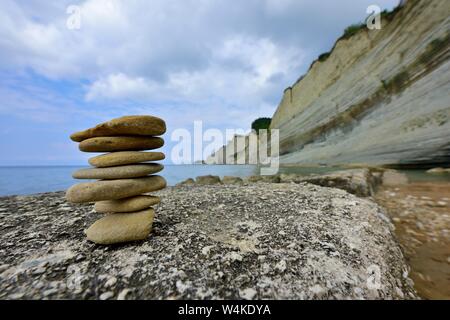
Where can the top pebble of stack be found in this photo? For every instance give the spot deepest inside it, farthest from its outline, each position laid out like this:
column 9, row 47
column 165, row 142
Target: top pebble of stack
column 124, row 126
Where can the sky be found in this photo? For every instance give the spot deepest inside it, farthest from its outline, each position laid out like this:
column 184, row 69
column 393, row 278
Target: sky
column 223, row 62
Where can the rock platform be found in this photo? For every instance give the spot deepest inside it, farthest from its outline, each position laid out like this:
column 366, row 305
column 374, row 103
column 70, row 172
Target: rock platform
column 264, row 240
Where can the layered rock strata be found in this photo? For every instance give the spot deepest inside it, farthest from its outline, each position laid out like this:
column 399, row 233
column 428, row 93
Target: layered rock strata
column 380, row 98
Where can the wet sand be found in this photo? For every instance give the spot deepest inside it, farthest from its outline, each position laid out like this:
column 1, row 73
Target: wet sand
column 421, row 214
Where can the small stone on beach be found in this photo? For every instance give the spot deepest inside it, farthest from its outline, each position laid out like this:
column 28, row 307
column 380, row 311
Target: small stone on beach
column 206, row 180
column 121, row 227
column 124, row 157
column 120, row 143
column 127, row 125
column 114, row 189
column 126, row 205
column 119, row 172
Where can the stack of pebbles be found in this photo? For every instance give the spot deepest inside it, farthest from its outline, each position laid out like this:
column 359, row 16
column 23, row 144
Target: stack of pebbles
column 125, row 177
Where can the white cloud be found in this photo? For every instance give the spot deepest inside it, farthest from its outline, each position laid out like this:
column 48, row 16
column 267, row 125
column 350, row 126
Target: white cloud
column 240, row 73
column 118, row 86
column 207, row 55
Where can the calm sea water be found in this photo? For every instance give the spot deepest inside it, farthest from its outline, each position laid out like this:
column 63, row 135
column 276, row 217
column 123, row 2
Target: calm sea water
column 30, row 180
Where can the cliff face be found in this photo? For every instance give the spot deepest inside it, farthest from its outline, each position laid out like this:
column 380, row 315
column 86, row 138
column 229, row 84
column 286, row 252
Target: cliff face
column 382, row 97
column 239, row 151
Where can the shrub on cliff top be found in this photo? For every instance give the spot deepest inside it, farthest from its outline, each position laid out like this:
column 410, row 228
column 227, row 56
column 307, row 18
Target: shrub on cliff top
column 261, row 123
column 352, row 30
column 324, row 56
column 389, row 15
column 355, row 28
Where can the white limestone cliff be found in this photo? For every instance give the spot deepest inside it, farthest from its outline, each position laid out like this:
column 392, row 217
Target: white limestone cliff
column 382, row 97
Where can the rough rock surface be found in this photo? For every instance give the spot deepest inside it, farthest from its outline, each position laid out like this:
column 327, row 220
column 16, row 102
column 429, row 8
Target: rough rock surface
column 360, row 182
column 188, row 181
column 272, row 179
column 274, row 240
column 232, row 180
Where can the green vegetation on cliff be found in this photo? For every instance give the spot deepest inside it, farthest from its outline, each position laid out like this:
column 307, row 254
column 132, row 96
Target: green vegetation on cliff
column 434, row 48
column 355, row 28
column 352, row 30
column 261, row 123
column 324, row 56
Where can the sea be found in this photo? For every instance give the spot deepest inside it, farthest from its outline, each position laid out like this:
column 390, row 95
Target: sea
column 24, row 180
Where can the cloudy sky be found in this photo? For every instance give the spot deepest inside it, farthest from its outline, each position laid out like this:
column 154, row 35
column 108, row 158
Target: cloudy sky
column 225, row 62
